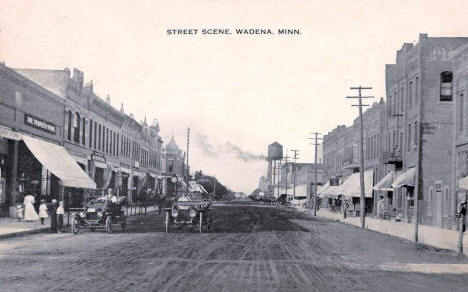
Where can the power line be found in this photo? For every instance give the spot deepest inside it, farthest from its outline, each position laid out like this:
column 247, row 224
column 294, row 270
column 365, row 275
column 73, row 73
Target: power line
column 295, row 158
column 316, row 144
column 361, row 148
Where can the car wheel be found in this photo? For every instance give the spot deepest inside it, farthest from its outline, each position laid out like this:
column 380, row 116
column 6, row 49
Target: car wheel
column 109, row 225
column 75, row 226
column 167, row 222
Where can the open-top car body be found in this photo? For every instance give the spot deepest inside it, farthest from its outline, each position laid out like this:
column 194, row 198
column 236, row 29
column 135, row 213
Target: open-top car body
column 190, row 209
column 100, row 213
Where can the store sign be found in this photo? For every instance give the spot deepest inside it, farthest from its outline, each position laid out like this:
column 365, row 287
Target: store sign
column 98, row 157
column 40, row 124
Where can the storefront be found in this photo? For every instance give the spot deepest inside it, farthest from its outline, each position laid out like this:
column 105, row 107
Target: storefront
column 404, row 185
column 352, row 190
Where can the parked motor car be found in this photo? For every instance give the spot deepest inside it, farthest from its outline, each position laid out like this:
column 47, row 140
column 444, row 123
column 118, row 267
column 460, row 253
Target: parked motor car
column 191, row 210
column 100, row 213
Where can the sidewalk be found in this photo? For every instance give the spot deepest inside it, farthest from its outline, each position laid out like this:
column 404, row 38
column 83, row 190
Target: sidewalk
column 433, row 236
column 12, row 227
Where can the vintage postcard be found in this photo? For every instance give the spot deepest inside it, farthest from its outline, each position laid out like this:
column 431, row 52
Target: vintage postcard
column 233, row 145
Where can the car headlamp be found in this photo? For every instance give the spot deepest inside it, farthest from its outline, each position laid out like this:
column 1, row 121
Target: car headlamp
column 82, row 214
column 174, row 213
column 193, row 213
column 99, row 214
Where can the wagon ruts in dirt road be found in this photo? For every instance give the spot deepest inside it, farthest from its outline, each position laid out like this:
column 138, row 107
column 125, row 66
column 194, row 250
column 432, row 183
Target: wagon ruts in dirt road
column 100, row 213
column 189, row 210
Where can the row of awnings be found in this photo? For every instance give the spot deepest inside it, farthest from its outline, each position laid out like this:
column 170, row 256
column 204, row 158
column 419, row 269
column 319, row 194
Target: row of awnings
column 58, row 161
column 350, row 187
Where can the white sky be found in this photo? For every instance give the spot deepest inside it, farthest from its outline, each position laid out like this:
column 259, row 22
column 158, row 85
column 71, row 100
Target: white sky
column 246, row 90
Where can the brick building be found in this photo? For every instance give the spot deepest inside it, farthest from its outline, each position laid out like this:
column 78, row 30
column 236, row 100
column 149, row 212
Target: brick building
column 109, row 146
column 425, row 89
column 33, row 159
column 341, row 158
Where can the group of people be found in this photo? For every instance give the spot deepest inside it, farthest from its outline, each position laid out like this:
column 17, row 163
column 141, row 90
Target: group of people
column 55, row 209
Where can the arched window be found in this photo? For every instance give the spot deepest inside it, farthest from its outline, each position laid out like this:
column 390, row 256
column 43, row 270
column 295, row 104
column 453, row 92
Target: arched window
column 446, row 86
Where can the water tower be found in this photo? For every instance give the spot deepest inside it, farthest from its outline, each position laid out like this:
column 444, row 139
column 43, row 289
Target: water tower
column 275, row 153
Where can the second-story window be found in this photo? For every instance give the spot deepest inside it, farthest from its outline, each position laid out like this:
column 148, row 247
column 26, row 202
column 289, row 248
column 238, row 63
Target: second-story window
column 409, row 137
column 446, row 86
column 90, row 133
column 83, row 136
column 70, row 125
column 460, row 113
column 76, row 128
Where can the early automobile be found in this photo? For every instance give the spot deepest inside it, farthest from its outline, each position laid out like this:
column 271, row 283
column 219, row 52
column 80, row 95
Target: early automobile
column 100, row 213
column 190, row 209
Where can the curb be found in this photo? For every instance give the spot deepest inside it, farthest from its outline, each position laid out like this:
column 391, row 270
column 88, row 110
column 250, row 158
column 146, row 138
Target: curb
column 47, row 229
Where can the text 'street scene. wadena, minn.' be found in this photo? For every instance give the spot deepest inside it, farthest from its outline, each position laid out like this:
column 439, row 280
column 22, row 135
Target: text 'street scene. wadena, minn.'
column 233, row 145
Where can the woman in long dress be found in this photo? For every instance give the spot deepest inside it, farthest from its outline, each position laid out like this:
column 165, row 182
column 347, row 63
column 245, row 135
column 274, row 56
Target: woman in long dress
column 29, row 211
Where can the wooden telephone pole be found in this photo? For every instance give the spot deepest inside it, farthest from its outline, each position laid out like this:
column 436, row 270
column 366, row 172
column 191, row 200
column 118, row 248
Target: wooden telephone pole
column 188, row 170
column 361, row 149
column 316, row 144
column 295, row 157
column 286, row 161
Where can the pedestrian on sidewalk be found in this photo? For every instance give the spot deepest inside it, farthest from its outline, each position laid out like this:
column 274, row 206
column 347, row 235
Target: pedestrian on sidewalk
column 345, row 209
column 43, row 211
column 60, row 213
column 53, row 216
column 462, row 214
column 29, row 211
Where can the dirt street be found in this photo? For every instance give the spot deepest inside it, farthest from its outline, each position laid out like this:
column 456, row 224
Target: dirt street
column 251, row 248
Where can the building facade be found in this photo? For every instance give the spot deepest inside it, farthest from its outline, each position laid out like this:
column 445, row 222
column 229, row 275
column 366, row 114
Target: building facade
column 109, row 146
column 426, row 89
column 175, row 170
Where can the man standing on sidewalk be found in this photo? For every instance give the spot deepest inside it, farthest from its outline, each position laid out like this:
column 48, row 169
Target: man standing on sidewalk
column 345, row 209
column 53, row 216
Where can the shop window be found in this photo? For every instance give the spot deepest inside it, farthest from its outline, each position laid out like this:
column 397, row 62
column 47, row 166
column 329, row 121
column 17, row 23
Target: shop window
column 446, row 86
column 76, row 128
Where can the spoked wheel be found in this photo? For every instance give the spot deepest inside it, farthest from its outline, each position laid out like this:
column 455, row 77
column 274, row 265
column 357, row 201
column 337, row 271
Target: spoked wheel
column 108, row 225
column 123, row 224
column 201, row 222
column 167, row 222
column 75, row 226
